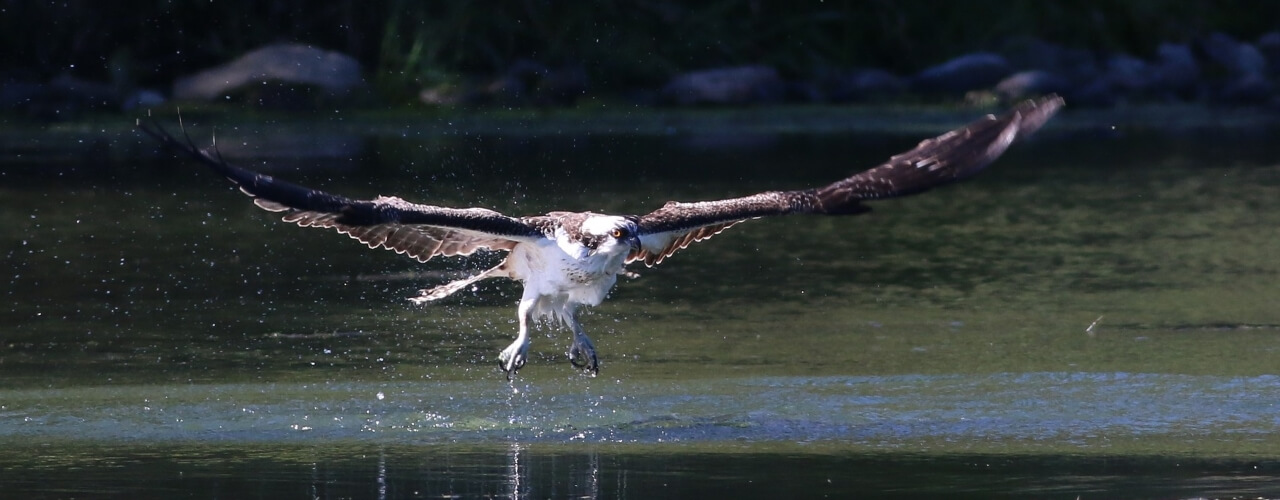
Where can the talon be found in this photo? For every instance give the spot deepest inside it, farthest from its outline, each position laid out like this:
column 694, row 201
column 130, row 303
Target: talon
column 511, row 366
column 513, row 358
column 508, row 368
column 583, row 356
column 589, row 363
column 574, row 359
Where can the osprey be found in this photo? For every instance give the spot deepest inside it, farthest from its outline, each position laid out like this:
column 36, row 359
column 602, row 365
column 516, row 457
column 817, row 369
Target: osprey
column 571, row 259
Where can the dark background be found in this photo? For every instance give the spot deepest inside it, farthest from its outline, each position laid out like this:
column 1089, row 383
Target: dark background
column 406, row 45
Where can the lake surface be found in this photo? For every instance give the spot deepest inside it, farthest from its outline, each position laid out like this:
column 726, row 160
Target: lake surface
column 1097, row 316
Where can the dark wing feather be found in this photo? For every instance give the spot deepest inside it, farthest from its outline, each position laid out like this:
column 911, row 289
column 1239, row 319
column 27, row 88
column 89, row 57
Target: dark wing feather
column 419, row 231
column 948, row 158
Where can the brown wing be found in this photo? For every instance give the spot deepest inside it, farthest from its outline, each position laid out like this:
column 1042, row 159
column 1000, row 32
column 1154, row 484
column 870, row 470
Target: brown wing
column 948, row 158
column 419, row 231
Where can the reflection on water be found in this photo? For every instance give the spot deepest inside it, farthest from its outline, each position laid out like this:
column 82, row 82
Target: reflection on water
column 160, row 328
column 545, row 471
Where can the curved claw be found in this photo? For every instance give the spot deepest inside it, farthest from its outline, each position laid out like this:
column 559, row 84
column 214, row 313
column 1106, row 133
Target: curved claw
column 513, row 358
column 511, row 366
column 583, row 355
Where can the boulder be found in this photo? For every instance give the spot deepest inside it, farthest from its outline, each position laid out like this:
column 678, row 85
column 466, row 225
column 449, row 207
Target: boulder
column 526, row 82
column 1175, row 70
column 1236, row 57
column 530, row 82
column 1030, row 83
column 1128, row 73
column 1247, row 90
column 734, row 85
column 1098, row 93
column 1123, row 76
column 1269, row 45
column 965, row 73
column 1074, row 65
column 290, row 64
column 862, row 85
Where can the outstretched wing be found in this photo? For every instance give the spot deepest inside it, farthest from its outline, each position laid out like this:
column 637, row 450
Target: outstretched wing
column 950, row 157
column 418, row 231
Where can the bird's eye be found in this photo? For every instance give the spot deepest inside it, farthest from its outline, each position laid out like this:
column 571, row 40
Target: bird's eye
column 618, row 233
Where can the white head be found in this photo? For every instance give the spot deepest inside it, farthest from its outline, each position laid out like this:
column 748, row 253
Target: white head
column 609, row 234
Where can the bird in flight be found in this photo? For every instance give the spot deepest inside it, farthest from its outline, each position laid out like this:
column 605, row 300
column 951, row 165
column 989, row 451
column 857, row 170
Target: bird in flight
column 571, row 259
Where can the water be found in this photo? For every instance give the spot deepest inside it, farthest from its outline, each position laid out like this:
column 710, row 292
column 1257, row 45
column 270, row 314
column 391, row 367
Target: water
column 1097, row 316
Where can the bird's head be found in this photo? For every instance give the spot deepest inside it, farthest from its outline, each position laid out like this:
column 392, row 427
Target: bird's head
column 610, row 235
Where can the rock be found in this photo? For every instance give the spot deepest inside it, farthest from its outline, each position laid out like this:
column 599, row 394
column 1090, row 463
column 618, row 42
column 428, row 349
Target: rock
column 1269, row 45
column 968, row 72
column 530, row 82
column 862, row 85
column 526, row 82
column 1123, row 76
column 1098, row 93
column 514, row 87
column 562, row 86
column 1246, row 66
column 1238, row 58
column 802, row 92
column 1030, row 83
column 1129, row 73
column 1247, row 90
column 736, row 85
column 1076, row 66
column 335, row 74
column 1250, row 61
column 1175, row 70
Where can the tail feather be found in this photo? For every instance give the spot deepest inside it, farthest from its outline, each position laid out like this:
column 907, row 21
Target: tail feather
column 433, row 294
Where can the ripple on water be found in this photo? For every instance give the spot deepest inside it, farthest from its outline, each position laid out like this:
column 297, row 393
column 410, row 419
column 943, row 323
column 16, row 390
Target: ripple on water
column 1052, row 409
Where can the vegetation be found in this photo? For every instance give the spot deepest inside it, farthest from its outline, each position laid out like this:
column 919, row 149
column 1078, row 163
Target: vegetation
column 621, row 44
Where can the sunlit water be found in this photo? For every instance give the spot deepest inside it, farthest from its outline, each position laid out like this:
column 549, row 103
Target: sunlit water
column 1099, row 313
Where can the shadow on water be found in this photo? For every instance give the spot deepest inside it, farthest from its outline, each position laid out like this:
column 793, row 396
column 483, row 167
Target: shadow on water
column 1095, row 316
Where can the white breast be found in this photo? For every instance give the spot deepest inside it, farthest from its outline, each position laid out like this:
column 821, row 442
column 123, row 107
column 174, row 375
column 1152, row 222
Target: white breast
column 565, row 270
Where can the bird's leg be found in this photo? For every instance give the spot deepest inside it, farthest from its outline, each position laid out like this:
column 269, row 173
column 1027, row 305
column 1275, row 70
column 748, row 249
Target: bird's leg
column 514, row 356
column 582, row 354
